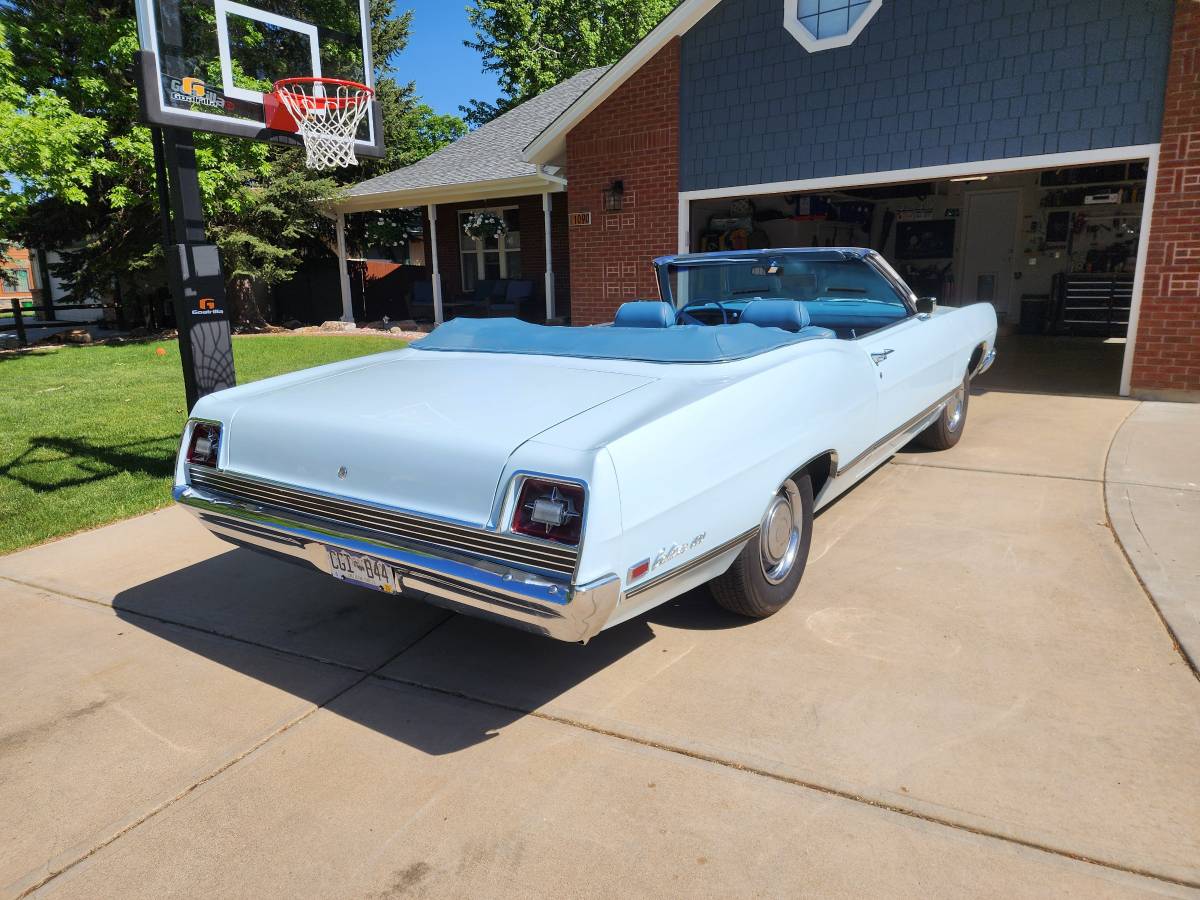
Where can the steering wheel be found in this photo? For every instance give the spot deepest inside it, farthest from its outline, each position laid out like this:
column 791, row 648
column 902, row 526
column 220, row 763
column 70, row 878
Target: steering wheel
column 686, row 318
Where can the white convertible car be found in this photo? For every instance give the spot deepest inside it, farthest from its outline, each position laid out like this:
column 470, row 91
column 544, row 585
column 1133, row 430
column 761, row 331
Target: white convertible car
column 564, row 480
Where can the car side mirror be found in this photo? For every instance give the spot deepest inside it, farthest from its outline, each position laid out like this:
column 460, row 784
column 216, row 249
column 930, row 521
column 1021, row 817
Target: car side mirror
column 926, row 305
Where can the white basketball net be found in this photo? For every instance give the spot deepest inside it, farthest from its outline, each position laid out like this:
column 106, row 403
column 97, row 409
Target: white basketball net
column 328, row 116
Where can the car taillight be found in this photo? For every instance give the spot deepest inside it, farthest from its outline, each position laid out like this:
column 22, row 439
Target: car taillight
column 549, row 509
column 206, row 441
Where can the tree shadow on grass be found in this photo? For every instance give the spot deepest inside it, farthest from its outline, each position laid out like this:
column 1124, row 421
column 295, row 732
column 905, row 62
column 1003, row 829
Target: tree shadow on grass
column 48, row 464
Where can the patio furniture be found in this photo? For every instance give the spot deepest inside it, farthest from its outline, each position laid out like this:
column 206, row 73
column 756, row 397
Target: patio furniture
column 516, row 301
column 493, row 297
column 420, row 304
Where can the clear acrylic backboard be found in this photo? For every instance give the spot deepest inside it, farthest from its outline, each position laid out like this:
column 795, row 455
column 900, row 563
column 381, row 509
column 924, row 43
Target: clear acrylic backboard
column 210, row 65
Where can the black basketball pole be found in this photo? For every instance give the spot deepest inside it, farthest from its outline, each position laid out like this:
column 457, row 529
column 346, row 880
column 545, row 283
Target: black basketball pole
column 194, row 268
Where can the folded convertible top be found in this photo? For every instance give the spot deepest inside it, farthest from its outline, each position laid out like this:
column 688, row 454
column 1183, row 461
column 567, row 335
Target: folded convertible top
column 679, row 344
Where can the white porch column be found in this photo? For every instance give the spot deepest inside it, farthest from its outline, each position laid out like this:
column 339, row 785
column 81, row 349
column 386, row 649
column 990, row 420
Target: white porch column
column 343, row 271
column 547, row 201
column 435, row 271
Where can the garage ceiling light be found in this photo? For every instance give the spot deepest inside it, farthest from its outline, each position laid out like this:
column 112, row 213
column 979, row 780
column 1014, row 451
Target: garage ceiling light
column 971, row 178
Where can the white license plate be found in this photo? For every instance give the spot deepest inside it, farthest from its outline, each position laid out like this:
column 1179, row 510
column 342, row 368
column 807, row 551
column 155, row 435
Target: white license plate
column 365, row 570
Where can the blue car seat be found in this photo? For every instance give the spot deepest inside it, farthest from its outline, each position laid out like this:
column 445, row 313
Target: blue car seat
column 790, row 315
column 645, row 314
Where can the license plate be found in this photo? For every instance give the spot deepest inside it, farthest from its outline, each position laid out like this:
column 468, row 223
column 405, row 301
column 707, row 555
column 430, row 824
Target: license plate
column 365, row 570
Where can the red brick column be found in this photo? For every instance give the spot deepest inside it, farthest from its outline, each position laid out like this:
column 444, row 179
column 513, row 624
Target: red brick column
column 633, row 136
column 1166, row 360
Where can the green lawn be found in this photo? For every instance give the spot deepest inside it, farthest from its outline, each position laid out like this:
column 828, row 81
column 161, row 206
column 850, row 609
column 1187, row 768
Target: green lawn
column 88, row 435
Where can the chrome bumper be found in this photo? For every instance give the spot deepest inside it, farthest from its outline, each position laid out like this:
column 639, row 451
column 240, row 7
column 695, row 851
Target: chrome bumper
column 557, row 609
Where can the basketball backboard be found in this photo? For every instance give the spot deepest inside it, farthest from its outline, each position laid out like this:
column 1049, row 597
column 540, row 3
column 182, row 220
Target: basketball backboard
column 209, row 65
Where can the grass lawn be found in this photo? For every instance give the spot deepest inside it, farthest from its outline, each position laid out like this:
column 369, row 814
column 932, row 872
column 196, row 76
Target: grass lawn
column 88, row 435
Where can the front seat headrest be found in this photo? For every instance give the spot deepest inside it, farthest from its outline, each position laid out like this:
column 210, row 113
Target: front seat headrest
column 645, row 314
column 790, row 315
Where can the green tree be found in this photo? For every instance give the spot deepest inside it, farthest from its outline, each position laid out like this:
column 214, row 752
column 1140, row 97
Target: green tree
column 532, row 45
column 79, row 170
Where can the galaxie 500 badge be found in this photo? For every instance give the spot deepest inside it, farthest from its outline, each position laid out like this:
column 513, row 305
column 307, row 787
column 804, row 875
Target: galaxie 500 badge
column 664, row 556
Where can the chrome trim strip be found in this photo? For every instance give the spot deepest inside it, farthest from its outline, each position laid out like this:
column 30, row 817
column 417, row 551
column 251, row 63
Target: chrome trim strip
column 876, row 261
column 911, row 425
column 985, row 363
column 551, row 606
column 658, row 580
column 388, row 523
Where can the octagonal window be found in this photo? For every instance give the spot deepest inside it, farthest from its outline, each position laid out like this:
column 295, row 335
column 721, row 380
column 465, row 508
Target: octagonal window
column 822, row 24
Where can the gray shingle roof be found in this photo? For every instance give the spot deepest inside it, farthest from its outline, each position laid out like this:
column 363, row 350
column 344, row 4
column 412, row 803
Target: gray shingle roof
column 490, row 152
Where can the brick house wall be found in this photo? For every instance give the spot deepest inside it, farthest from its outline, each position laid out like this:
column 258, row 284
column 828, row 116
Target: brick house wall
column 560, row 252
column 1166, row 359
column 633, row 136
column 533, row 245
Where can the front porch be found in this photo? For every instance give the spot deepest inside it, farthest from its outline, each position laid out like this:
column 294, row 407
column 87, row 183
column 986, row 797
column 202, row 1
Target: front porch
column 523, row 273
column 526, row 271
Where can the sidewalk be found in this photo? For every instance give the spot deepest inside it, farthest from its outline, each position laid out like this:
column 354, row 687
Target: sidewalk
column 1152, row 489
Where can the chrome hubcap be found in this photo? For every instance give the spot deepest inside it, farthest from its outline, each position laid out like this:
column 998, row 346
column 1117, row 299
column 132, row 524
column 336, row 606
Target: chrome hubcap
column 779, row 536
column 955, row 410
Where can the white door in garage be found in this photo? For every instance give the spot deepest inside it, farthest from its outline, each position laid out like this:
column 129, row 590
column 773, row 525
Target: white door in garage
column 989, row 250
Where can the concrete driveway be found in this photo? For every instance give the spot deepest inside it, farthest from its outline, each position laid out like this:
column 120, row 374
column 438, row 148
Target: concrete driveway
column 971, row 694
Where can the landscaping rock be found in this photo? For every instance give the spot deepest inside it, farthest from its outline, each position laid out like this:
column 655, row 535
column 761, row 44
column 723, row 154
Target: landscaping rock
column 337, row 325
column 293, row 324
column 77, row 336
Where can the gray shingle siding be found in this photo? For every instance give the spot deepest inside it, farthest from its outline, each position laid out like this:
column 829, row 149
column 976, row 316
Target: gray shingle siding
column 928, row 82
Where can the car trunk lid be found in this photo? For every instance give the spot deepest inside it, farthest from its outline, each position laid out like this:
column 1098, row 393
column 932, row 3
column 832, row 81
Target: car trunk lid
column 425, row 432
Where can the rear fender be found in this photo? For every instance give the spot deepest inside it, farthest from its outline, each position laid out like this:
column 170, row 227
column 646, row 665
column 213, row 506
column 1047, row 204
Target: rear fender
column 704, row 474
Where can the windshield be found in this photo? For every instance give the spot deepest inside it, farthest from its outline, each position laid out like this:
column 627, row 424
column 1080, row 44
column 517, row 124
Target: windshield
column 845, row 294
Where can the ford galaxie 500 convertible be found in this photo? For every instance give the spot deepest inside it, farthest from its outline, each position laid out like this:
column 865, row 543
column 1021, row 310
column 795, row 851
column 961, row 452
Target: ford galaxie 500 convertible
column 564, row 480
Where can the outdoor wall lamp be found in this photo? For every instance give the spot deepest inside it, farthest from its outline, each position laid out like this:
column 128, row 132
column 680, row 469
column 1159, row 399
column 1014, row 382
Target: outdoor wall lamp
column 614, row 197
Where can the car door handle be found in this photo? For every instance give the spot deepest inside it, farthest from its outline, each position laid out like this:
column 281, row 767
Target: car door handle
column 881, row 355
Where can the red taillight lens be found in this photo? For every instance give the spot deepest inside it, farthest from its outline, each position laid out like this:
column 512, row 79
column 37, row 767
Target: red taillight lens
column 549, row 509
column 206, row 441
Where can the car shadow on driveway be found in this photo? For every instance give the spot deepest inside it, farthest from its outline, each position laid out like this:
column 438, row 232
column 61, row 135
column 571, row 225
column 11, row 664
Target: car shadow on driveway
column 286, row 609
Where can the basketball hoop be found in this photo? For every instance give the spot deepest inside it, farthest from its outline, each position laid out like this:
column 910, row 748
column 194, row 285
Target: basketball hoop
column 327, row 112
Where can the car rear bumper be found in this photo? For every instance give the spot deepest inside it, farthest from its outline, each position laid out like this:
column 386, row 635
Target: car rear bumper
column 544, row 604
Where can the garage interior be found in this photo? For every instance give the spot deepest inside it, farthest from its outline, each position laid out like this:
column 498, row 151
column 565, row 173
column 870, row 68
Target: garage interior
column 1054, row 250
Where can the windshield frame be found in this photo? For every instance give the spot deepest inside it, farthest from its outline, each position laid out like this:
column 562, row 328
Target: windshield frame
column 870, row 258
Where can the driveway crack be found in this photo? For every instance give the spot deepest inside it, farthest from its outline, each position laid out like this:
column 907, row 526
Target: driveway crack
column 801, row 783
column 233, row 761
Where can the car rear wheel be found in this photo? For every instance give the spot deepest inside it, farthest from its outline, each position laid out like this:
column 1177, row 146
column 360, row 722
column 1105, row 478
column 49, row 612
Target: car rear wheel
column 768, row 570
column 947, row 430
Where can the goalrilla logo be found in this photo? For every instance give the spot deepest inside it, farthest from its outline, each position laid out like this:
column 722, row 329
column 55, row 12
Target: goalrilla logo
column 192, row 91
column 207, row 306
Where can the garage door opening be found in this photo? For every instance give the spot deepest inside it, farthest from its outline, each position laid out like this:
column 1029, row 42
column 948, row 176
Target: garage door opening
column 1055, row 250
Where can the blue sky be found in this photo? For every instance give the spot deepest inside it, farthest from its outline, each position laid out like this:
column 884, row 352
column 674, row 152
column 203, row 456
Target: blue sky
column 447, row 74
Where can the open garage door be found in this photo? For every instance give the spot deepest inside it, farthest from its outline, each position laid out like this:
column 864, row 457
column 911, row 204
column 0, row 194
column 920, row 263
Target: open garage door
column 1055, row 250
